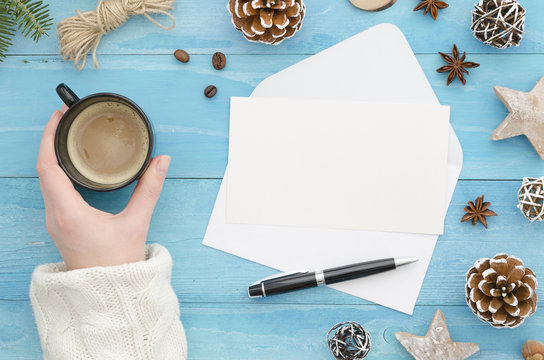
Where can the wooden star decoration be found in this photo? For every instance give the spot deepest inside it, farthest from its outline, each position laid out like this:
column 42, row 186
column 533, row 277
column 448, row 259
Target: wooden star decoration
column 437, row 344
column 526, row 115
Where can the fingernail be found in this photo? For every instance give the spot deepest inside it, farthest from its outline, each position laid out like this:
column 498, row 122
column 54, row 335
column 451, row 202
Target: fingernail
column 162, row 166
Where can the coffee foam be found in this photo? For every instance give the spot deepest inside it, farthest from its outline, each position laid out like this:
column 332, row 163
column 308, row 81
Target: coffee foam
column 120, row 142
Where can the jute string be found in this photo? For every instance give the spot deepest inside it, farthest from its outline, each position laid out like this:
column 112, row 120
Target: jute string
column 81, row 33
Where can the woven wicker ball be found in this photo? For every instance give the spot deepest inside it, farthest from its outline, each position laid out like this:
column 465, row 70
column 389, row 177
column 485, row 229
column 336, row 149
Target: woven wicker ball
column 348, row 341
column 531, row 198
column 498, row 23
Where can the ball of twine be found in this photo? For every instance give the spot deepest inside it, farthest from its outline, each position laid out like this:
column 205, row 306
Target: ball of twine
column 531, row 198
column 498, row 23
column 81, row 33
column 348, row 341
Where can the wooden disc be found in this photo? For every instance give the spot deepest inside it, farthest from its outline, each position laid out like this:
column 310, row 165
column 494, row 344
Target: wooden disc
column 373, row 5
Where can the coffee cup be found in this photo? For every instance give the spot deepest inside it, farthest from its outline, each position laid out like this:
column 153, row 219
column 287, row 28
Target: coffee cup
column 104, row 141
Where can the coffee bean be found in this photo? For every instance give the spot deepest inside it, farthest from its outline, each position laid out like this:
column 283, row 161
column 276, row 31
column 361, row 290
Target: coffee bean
column 181, row 55
column 210, row 91
column 219, row 60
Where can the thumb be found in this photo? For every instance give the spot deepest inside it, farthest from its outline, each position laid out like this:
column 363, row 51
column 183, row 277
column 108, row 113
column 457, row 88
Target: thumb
column 147, row 192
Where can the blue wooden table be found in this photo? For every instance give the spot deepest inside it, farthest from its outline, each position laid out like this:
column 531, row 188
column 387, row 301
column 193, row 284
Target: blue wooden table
column 221, row 322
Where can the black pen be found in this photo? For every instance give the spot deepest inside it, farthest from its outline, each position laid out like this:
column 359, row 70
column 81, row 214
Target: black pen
column 285, row 282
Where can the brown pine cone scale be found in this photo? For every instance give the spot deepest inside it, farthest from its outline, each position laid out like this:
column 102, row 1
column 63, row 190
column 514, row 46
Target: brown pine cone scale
column 267, row 21
column 501, row 291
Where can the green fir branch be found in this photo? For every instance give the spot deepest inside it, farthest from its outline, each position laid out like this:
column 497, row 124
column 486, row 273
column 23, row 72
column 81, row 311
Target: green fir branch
column 7, row 32
column 30, row 17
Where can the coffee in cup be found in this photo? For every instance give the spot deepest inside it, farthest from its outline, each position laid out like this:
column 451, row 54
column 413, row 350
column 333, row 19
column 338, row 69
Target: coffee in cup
column 104, row 141
column 108, row 142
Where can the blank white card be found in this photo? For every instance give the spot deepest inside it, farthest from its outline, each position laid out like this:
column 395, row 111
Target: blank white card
column 338, row 164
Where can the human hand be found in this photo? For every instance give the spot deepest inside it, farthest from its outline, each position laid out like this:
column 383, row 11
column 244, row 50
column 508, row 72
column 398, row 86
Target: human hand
column 88, row 237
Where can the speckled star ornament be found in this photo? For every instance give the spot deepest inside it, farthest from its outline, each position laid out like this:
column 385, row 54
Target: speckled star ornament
column 437, row 344
column 526, row 115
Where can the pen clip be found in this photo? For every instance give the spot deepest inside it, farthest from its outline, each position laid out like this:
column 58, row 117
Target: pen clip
column 279, row 276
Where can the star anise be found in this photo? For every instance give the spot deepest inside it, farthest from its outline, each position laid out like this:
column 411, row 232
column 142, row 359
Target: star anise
column 456, row 66
column 431, row 6
column 477, row 211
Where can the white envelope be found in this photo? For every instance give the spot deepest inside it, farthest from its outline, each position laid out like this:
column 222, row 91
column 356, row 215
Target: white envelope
column 375, row 65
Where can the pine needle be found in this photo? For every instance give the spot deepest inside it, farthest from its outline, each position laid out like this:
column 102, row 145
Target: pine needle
column 30, row 17
column 6, row 33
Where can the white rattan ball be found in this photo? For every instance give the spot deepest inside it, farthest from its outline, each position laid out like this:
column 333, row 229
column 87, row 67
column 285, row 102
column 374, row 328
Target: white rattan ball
column 531, row 198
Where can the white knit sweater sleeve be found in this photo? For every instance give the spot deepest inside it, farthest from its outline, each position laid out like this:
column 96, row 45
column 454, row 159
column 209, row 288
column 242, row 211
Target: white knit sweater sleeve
column 120, row 312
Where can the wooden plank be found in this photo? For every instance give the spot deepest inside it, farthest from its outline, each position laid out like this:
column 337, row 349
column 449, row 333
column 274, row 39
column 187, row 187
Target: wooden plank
column 290, row 331
column 181, row 218
column 205, row 29
column 194, row 129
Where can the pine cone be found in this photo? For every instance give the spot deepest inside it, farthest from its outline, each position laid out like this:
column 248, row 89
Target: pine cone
column 267, row 21
column 501, row 291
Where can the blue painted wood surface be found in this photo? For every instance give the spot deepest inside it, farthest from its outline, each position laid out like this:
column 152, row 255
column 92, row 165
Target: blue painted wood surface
column 220, row 320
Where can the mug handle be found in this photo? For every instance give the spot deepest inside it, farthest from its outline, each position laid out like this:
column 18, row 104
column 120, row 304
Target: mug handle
column 67, row 95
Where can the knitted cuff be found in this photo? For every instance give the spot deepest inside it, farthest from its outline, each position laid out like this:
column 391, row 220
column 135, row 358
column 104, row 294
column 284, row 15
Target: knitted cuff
column 125, row 311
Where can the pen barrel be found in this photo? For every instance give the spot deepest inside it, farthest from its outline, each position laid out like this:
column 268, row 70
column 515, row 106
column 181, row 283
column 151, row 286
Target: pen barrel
column 289, row 283
column 355, row 271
